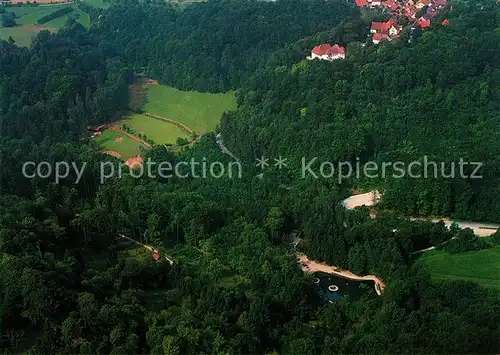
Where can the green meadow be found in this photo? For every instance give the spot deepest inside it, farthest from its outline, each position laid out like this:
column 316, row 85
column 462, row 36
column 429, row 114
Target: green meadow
column 27, row 17
column 159, row 131
column 127, row 147
column 199, row 111
column 482, row 267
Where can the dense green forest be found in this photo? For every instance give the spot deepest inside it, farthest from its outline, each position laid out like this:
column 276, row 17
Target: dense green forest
column 69, row 284
column 436, row 96
column 216, row 45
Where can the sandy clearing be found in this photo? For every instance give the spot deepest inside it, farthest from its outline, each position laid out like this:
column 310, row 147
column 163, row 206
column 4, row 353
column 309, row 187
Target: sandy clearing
column 366, row 199
column 311, row 266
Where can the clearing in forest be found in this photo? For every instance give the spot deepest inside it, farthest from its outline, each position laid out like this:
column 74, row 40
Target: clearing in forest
column 161, row 132
column 199, row 111
column 119, row 143
column 481, row 266
column 28, row 15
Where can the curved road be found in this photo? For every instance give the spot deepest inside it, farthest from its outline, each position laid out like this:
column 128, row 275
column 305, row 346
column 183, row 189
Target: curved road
column 372, row 197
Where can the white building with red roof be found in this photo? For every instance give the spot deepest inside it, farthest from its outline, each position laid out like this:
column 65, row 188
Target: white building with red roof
column 327, row 52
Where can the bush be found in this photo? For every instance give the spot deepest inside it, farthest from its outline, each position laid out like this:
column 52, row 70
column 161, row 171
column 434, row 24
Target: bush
column 465, row 240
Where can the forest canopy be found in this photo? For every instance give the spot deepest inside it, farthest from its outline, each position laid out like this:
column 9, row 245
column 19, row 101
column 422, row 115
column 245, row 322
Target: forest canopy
column 73, row 279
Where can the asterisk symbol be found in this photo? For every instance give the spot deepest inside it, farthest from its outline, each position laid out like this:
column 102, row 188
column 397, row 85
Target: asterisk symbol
column 280, row 162
column 262, row 162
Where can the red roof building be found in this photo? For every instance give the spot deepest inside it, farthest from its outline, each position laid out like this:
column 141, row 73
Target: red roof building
column 390, row 27
column 424, row 23
column 361, row 3
column 445, row 22
column 379, row 27
column 422, row 3
column 156, row 255
column 327, row 52
column 380, row 37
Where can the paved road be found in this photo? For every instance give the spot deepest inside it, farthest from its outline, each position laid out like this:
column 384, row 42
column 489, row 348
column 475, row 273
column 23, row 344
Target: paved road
column 372, row 197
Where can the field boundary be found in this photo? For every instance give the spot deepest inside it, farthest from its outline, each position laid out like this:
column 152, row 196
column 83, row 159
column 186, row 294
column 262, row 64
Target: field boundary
column 177, row 123
column 114, row 128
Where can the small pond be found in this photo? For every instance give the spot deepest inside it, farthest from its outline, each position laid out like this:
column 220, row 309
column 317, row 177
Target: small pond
column 333, row 288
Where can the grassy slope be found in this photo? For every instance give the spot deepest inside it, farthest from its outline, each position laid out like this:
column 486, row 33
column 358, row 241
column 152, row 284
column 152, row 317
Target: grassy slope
column 28, row 16
column 160, row 132
column 199, row 111
column 21, row 35
column 482, row 267
column 127, row 148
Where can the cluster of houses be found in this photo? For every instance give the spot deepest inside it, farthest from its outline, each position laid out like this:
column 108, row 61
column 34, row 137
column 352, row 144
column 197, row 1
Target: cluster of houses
column 383, row 31
column 419, row 12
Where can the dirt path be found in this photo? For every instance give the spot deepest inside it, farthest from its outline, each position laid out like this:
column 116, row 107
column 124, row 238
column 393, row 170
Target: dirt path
column 223, row 148
column 116, row 128
column 311, row 266
column 147, row 247
column 113, row 153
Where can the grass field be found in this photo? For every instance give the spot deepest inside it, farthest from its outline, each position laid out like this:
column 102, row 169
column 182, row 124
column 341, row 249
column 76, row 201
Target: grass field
column 159, row 131
column 482, row 267
column 27, row 17
column 127, row 147
column 22, row 35
column 199, row 111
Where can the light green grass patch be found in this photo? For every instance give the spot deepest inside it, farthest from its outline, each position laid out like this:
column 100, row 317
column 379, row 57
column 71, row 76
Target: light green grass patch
column 20, row 34
column 482, row 267
column 27, row 17
column 159, row 131
column 127, row 148
column 199, row 111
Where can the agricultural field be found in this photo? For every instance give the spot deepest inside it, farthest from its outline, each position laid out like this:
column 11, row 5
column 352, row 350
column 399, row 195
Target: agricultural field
column 27, row 17
column 199, row 111
column 159, row 131
column 120, row 143
column 482, row 267
column 23, row 35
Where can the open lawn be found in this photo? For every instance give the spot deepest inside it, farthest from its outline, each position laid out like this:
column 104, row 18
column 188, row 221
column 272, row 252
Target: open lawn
column 199, row 111
column 23, row 35
column 160, row 132
column 482, row 267
column 118, row 142
column 27, row 17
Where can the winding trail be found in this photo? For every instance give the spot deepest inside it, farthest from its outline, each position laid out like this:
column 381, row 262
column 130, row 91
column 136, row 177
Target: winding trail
column 223, row 148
